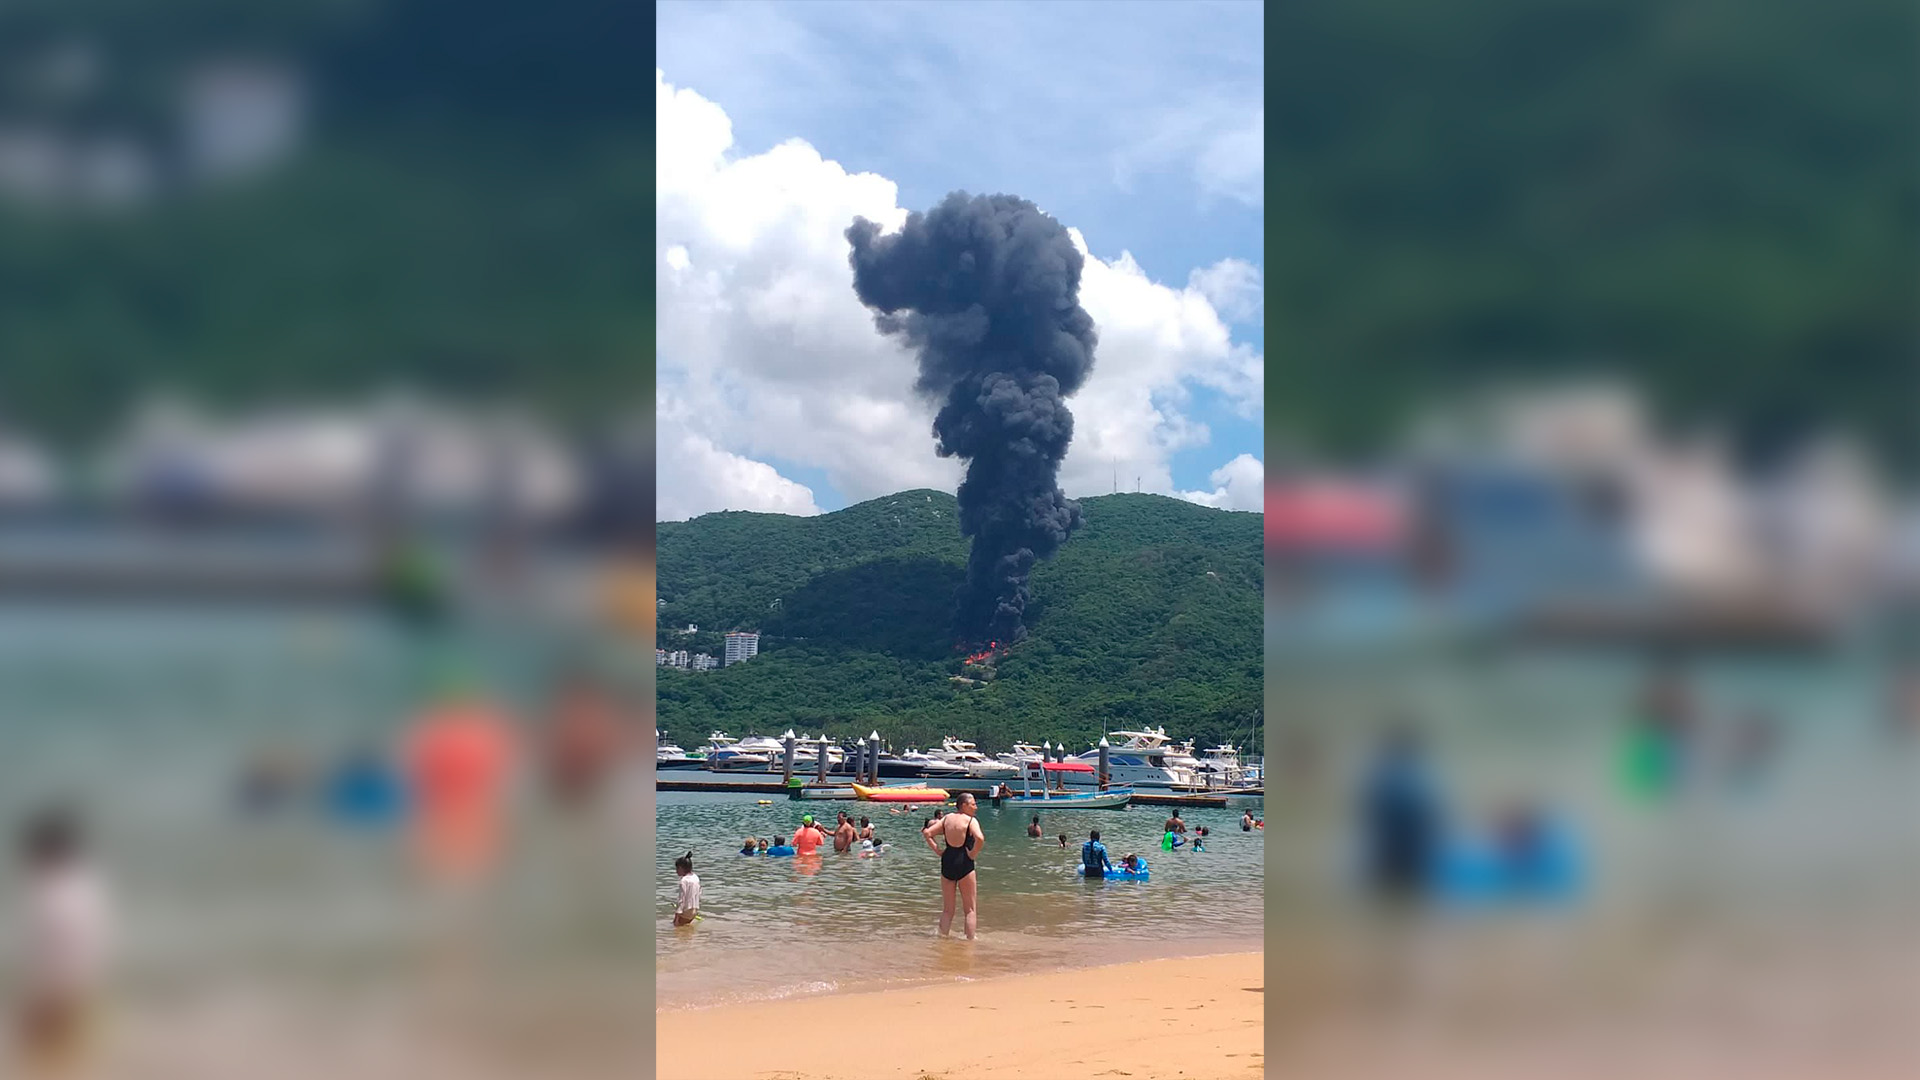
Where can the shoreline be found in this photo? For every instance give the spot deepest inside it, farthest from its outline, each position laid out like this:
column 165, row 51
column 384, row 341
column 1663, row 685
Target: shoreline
column 1184, row 1018
column 969, row 968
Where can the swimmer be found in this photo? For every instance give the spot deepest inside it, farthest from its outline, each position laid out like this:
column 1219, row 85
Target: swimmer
column 780, row 847
column 1130, row 863
column 1246, row 821
column 1174, row 824
column 688, row 908
column 749, row 847
column 1063, row 839
column 762, row 845
column 1200, row 839
column 866, row 829
column 67, row 923
column 866, row 849
column 1033, row 830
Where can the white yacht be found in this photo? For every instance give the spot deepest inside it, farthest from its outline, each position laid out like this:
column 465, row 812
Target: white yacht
column 1220, row 766
column 669, row 756
column 1021, row 754
column 806, row 751
column 1145, row 759
column 977, row 764
column 929, row 765
column 725, row 752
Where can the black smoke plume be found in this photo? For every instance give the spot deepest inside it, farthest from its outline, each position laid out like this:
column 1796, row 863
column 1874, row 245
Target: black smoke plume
column 986, row 290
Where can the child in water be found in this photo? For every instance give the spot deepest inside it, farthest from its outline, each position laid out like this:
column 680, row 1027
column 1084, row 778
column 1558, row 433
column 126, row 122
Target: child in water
column 688, row 909
column 1063, row 839
column 1200, row 839
column 66, row 942
column 762, row 845
column 1130, row 863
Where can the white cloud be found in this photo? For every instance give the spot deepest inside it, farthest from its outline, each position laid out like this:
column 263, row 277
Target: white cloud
column 766, row 354
column 1240, row 484
column 1234, row 287
column 704, row 478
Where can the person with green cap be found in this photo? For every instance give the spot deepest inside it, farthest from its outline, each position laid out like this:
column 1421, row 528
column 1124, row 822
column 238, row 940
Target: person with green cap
column 808, row 837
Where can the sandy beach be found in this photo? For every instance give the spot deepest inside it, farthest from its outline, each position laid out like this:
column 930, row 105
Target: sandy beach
column 1197, row 1018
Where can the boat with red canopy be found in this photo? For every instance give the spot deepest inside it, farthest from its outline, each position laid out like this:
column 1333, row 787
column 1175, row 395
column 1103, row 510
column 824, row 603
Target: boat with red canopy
column 1052, row 791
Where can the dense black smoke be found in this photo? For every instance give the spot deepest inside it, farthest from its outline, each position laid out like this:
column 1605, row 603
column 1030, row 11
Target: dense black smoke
column 986, row 289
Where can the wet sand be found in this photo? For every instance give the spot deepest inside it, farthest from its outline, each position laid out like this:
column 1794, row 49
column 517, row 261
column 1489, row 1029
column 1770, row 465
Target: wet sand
column 1197, row 1018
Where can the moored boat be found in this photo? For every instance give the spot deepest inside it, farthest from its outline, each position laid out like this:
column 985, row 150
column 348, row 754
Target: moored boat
column 1053, row 792
column 962, row 753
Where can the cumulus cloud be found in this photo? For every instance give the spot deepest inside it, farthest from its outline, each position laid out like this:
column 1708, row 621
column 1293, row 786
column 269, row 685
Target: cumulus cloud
column 704, row 478
column 766, row 355
column 1234, row 288
column 1240, row 484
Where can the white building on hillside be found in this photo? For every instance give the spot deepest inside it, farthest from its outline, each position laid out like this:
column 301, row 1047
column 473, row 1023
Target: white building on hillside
column 742, row 646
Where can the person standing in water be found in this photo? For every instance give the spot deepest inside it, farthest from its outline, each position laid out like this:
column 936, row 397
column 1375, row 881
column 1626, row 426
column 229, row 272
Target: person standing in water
column 1093, row 856
column 1400, row 820
column 459, row 757
column 964, row 842
column 1174, row 824
column 1034, row 830
column 687, row 908
column 585, row 738
column 807, row 838
column 66, row 939
column 844, row 834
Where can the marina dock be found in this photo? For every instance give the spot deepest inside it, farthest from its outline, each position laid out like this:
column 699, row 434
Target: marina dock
column 1210, row 802
column 839, row 792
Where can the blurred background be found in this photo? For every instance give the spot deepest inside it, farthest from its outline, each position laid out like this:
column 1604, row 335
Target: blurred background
column 1593, row 543
column 325, row 511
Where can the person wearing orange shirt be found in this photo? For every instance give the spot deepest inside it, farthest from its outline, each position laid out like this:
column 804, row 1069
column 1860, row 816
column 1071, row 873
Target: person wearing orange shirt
column 459, row 756
column 808, row 837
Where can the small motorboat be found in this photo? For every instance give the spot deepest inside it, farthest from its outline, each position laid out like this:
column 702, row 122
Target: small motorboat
column 900, row 794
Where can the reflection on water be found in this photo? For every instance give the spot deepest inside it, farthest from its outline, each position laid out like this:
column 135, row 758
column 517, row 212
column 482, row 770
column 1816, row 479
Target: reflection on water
column 779, row 926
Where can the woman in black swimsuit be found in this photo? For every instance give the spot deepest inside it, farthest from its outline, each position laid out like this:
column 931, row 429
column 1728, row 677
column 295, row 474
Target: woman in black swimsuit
column 956, row 862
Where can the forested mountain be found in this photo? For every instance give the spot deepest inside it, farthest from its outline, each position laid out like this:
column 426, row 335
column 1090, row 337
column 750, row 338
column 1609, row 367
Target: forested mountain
column 1151, row 614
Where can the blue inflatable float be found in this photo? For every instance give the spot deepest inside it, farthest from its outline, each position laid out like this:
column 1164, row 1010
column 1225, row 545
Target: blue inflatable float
column 1117, row 874
column 365, row 791
column 1479, row 875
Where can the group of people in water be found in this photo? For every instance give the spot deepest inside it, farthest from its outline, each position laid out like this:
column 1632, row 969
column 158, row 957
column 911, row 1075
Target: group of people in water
column 450, row 771
column 809, row 837
column 447, row 778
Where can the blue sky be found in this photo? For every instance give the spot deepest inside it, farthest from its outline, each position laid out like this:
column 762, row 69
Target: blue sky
column 1137, row 123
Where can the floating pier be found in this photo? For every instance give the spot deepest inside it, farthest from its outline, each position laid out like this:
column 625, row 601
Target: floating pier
column 838, row 792
column 1211, row 802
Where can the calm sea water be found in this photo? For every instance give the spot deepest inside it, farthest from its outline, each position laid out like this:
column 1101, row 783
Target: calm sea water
column 143, row 718
column 777, row 927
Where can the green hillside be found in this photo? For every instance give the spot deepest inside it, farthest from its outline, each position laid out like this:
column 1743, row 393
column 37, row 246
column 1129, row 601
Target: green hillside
column 1150, row 615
